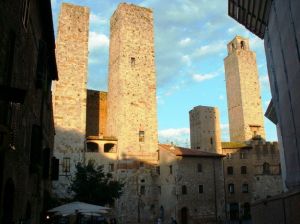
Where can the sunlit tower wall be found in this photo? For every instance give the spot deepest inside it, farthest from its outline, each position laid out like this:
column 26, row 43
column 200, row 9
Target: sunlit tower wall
column 205, row 133
column 243, row 92
column 70, row 91
column 132, row 114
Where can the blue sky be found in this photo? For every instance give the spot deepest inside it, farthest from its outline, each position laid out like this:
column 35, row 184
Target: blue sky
column 190, row 45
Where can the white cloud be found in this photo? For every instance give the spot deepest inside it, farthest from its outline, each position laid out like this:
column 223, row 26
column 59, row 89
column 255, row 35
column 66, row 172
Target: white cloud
column 264, row 82
column 204, row 77
column 179, row 136
column 97, row 40
column 97, row 19
column 210, row 49
column 225, row 132
column 173, row 132
column 184, row 42
column 186, row 59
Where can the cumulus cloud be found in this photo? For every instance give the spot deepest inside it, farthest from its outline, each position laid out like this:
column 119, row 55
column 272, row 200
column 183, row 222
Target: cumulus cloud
column 172, row 132
column 225, row 132
column 184, row 42
column 203, row 77
column 210, row 49
column 97, row 19
column 97, row 40
column 186, row 59
column 264, row 82
column 179, row 136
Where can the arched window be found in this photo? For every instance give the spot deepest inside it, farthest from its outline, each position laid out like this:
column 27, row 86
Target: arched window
column 109, row 147
column 91, row 147
column 266, row 168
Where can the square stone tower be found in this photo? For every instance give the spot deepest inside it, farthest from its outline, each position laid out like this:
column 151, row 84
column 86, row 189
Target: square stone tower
column 243, row 92
column 69, row 95
column 205, row 129
column 131, row 115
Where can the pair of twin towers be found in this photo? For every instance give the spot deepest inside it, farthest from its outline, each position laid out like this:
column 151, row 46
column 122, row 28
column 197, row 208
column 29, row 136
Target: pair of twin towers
column 131, row 100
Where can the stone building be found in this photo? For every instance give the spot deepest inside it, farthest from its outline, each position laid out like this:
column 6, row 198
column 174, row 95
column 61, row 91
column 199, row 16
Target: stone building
column 191, row 185
column 252, row 172
column 96, row 113
column 277, row 22
column 70, row 92
column 27, row 68
column 131, row 99
column 205, row 129
column 131, row 109
column 243, row 92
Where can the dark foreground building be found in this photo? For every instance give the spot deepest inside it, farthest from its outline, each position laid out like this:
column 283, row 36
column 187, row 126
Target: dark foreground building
column 27, row 68
column 278, row 23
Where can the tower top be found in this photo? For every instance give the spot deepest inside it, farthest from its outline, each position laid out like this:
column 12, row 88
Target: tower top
column 238, row 43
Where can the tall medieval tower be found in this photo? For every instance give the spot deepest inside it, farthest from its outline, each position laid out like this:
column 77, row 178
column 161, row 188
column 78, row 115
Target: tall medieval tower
column 70, row 92
column 132, row 117
column 205, row 129
column 243, row 92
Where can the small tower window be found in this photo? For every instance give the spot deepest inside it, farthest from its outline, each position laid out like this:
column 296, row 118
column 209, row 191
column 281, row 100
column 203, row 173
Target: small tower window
column 211, row 140
column 132, row 61
column 243, row 45
column 266, row 168
column 142, row 190
column 200, row 189
column 184, row 189
column 199, row 167
column 141, row 136
column 171, row 169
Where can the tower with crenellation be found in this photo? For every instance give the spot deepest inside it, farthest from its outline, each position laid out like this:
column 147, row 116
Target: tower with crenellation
column 70, row 93
column 131, row 112
column 243, row 92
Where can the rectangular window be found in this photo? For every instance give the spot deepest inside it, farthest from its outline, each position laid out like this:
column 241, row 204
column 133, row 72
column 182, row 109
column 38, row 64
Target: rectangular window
column 243, row 170
column 245, row 188
column 141, row 136
column 132, row 61
column 171, row 169
column 184, row 189
column 158, row 170
column 231, row 188
column 142, row 190
column 211, row 140
column 66, row 167
column 230, row 170
column 243, row 155
column 199, row 167
column 200, row 189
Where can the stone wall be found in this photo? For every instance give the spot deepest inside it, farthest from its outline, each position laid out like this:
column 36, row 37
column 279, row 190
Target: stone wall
column 283, row 208
column 96, row 113
column 202, row 207
column 27, row 68
column 132, row 115
column 261, row 175
column 70, row 92
column 243, row 92
column 205, row 129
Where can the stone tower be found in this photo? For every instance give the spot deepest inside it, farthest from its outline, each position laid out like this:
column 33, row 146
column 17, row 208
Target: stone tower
column 70, row 92
column 243, row 92
column 205, row 129
column 132, row 117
